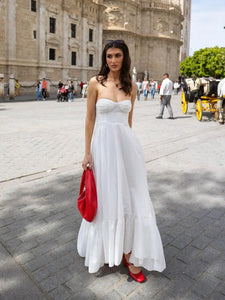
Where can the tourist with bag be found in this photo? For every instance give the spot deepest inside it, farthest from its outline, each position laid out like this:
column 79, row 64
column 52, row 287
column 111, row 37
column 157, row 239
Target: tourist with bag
column 124, row 227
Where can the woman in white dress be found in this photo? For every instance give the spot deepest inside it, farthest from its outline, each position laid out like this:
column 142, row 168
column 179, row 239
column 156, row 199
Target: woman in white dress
column 124, row 226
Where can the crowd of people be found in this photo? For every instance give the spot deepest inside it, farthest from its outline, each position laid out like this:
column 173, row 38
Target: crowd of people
column 65, row 91
column 151, row 87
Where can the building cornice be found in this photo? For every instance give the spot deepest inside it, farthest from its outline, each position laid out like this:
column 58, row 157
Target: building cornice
column 142, row 36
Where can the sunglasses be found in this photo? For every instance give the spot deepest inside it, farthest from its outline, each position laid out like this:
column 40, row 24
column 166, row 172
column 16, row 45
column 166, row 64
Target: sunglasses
column 114, row 41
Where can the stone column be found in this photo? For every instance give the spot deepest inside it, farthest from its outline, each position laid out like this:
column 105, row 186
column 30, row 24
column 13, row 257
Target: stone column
column 84, row 50
column 66, row 56
column 11, row 86
column 11, row 29
column 10, row 35
column 99, row 49
column 41, row 36
column 2, row 91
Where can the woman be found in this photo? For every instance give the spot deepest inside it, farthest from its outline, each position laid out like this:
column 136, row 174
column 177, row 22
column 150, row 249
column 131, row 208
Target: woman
column 145, row 88
column 125, row 225
column 38, row 90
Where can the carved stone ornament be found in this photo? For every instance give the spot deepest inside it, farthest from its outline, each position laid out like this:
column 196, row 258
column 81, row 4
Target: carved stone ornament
column 113, row 16
column 161, row 26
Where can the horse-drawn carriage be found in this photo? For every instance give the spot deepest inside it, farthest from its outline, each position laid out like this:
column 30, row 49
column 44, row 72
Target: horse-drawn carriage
column 203, row 93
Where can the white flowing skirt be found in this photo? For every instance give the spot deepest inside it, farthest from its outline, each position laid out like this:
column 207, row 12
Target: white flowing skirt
column 125, row 220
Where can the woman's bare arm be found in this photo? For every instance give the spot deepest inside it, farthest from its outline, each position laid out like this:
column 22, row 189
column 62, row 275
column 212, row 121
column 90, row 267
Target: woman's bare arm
column 90, row 121
column 133, row 97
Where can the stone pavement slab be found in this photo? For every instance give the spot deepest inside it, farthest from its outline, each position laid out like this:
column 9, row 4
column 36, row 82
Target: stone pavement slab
column 39, row 221
column 15, row 283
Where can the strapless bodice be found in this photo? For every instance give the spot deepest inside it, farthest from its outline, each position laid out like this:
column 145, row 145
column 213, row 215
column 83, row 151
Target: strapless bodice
column 108, row 110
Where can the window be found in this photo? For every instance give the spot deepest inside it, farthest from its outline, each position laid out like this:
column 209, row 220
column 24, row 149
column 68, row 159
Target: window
column 52, row 23
column 35, row 34
column 73, row 58
column 51, row 54
column 91, row 31
column 73, row 30
column 33, row 5
column 91, row 60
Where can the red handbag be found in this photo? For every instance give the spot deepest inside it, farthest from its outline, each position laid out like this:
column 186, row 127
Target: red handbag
column 87, row 200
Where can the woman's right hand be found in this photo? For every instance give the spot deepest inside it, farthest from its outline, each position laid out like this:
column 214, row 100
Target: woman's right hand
column 87, row 162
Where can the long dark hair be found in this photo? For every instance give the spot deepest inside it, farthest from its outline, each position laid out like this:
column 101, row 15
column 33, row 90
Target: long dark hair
column 125, row 77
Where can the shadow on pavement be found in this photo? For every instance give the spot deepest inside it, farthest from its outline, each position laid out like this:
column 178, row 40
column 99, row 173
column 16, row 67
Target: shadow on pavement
column 39, row 225
column 182, row 117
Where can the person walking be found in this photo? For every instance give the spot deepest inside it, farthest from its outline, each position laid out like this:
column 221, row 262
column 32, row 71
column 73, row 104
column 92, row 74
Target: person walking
column 165, row 96
column 81, row 87
column 145, row 88
column 44, row 89
column 152, row 89
column 84, row 89
column 38, row 90
column 139, row 85
column 70, row 90
column 125, row 226
column 158, row 89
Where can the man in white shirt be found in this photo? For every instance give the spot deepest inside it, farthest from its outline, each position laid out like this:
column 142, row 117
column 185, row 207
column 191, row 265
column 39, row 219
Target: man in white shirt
column 165, row 96
column 221, row 96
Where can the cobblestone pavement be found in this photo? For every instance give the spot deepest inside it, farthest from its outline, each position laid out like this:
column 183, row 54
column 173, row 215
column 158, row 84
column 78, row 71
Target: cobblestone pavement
column 41, row 150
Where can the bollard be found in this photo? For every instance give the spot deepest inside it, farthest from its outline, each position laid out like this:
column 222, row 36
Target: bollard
column 2, row 91
column 11, row 87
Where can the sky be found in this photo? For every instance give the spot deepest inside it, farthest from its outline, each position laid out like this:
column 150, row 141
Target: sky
column 207, row 24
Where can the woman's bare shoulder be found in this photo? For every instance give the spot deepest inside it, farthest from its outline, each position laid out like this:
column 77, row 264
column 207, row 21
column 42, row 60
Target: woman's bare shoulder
column 93, row 80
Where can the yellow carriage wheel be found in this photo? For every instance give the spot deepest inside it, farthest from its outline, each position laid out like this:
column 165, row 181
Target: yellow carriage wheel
column 198, row 108
column 184, row 103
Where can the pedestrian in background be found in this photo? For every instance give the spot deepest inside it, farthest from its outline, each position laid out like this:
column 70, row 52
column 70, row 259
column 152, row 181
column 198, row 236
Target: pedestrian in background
column 81, row 87
column 176, row 87
column 17, row 87
column 165, row 96
column 60, row 84
column 44, row 89
column 159, row 86
column 152, row 89
column 145, row 88
column 70, row 90
column 38, row 90
column 139, row 85
column 84, row 89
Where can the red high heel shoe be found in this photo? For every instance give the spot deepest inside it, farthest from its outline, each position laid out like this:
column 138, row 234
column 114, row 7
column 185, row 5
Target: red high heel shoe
column 139, row 277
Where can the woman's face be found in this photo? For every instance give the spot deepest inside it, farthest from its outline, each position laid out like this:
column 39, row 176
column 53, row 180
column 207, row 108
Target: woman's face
column 114, row 59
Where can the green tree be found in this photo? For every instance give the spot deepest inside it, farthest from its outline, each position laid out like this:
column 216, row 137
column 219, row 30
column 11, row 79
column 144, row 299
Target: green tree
column 207, row 62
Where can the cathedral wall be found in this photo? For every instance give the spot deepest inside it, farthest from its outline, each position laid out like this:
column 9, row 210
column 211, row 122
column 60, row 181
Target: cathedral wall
column 2, row 31
column 57, row 39
column 25, row 23
column 152, row 29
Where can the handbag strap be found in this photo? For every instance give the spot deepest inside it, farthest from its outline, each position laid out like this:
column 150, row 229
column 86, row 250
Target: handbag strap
column 82, row 183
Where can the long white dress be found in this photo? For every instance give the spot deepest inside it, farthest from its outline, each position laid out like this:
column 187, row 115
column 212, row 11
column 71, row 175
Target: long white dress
column 125, row 219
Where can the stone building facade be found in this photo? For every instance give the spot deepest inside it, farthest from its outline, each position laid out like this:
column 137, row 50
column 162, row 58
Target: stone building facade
column 63, row 39
column 154, row 31
column 53, row 39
